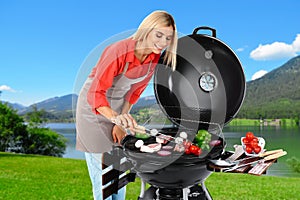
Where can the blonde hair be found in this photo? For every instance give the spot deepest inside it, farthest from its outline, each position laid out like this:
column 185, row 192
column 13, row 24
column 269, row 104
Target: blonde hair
column 153, row 20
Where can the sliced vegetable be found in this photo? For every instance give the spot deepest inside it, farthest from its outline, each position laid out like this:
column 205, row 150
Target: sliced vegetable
column 164, row 153
column 139, row 143
column 141, row 135
column 167, row 147
column 183, row 135
column 215, row 143
column 155, row 146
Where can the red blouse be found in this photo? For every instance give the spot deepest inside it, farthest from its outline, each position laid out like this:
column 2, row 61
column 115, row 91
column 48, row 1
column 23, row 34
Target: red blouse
column 111, row 64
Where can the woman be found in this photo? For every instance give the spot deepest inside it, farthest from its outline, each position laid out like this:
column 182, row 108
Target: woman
column 114, row 85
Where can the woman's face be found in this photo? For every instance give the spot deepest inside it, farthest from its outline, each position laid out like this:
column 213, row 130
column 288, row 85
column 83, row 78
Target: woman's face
column 159, row 39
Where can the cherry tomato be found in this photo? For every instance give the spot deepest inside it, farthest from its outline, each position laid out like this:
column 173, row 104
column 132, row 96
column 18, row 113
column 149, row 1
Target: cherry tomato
column 187, row 151
column 187, row 144
column 249, row 136
column 193, row 148
column 257, row 149
column 253, row 144
column 198, row 152
column 248, row 149
column 255, row 139
column 245, row 141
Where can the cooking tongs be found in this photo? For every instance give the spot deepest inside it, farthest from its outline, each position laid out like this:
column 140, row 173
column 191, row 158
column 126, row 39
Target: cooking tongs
column 267, row 156
column 155, row 133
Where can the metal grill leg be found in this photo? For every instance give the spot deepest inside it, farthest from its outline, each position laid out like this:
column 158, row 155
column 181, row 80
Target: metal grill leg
column 143, row 186
column 185, row 193
column 208, row 197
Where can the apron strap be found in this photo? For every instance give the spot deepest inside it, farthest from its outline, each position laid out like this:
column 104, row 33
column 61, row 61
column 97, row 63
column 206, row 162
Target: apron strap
column 127, row 64
column 149, row 66
column 125, row 68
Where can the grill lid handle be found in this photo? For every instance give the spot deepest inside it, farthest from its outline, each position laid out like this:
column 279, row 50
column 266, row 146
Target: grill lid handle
column 214, row 33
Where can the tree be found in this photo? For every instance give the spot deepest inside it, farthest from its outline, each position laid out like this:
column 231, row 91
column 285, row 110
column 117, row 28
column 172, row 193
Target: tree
column 15, row 136
column 44, row 141
column 12, row 129
column 35, row 118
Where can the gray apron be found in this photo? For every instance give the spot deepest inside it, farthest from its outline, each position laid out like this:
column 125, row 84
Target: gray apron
column 93, row 132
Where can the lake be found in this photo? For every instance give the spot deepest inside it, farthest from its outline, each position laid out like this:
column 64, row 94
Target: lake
column 276, row 138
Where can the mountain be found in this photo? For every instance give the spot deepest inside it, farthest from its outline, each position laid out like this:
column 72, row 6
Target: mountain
column 275, row 95
column 57, row 108
column 15, row 106
column 144, row 102
column 62, row 108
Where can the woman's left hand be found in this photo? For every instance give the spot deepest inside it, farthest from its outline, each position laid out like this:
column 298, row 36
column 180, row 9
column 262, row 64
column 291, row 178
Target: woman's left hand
column 125, row 120
column 118, row 134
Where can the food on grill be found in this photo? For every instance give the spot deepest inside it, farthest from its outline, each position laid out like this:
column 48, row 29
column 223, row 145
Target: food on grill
column 181, row 144
column 183, row 135
column 179, row 148
column 150, row 148
column 179, row 140
column 163, row 139
column 193, row 149
column 141, row 135
column 154, row 132
column 139, row 143
column 146, row 149
column 203, row 138
column 187, row 144
column 164, row 153
column 215, row 143
column 155, row 146
column 167, row 147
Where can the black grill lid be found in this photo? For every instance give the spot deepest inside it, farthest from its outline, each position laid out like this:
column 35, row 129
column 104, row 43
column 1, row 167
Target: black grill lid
column 208, row 87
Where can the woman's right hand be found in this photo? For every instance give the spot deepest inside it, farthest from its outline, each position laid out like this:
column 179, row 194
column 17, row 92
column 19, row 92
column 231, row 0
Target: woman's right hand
column 118, row 134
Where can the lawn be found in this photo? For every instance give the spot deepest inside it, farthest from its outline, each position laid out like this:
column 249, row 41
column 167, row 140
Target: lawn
column 30, row 177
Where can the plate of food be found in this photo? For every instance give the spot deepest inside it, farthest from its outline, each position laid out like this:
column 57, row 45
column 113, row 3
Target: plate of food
column 253, row 145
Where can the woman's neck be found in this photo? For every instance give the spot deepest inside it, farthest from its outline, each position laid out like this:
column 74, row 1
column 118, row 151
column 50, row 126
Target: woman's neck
column 141, row 52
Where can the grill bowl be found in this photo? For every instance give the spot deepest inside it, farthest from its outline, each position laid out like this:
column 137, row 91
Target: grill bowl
column 178, row 170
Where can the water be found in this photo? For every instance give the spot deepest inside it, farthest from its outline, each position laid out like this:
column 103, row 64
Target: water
column 68, row 131
column 287, row 139
column 276, row 138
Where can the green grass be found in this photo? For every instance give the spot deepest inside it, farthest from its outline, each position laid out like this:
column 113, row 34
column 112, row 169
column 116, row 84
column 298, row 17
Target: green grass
column 31, row 177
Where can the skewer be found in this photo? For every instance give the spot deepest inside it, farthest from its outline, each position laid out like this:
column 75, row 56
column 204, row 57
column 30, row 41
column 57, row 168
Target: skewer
column 154, row 133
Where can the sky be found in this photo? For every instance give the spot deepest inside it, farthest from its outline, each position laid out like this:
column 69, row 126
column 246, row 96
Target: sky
column 45, row 45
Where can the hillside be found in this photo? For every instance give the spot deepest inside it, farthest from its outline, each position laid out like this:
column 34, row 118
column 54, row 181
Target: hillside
column 62, row 108
column 57, row 108
column 275, row 95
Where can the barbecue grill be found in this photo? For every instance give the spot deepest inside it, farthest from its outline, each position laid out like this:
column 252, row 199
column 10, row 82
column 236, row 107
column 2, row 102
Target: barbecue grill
column 205, row 91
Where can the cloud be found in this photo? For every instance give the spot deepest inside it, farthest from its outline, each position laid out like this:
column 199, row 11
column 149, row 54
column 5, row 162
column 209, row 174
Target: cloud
column 6, row 88
column 242, row 48
column 258, row 74
column 296, row 43
column 276, row 50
